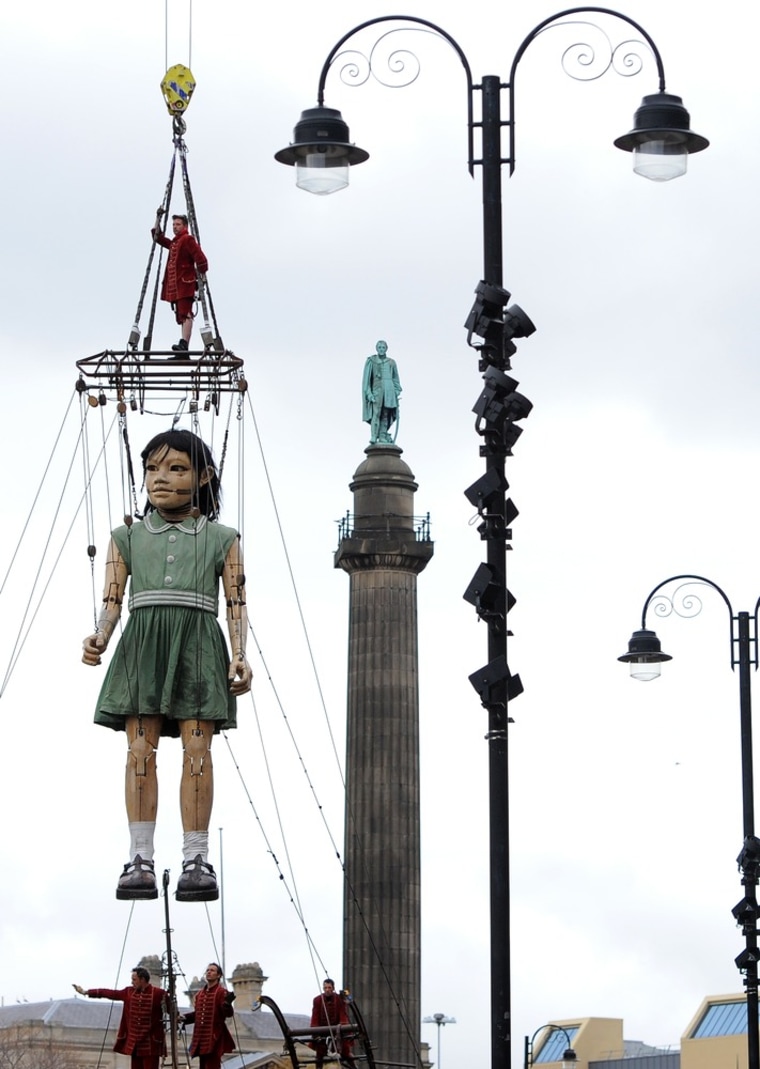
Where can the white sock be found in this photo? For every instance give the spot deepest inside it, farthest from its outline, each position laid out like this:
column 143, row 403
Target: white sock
column 141, row 838
column 194, row 843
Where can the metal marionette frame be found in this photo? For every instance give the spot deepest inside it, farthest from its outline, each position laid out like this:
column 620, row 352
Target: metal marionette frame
column 357, row 1030
column 134, row 371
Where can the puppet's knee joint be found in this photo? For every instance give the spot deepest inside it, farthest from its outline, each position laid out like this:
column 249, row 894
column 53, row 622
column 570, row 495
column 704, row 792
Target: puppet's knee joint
column 141, row 753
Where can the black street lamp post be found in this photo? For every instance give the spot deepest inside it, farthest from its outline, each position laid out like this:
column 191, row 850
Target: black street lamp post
column 322, row 155
column 644, row 657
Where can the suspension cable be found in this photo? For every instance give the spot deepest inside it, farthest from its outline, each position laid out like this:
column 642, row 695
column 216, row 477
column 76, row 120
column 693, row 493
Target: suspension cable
column 24, row 629
column 36, row 499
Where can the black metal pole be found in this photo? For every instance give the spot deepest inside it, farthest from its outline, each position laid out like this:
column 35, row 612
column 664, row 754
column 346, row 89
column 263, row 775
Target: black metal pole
column 750, row 871
column 492, row 237
column 498, row 763
column 744, row 653
column 171, row 995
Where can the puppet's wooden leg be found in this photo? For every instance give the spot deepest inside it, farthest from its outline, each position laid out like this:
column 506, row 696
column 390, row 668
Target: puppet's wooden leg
column 198, row 880
column 138, row 879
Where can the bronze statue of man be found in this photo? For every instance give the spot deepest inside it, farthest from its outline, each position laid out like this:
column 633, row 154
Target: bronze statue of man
column 380, row 394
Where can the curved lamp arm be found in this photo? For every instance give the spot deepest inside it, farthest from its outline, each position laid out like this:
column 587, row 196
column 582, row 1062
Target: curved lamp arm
column 425, row 25
column 644, row 652
column 549, row 23
column 569, row 1056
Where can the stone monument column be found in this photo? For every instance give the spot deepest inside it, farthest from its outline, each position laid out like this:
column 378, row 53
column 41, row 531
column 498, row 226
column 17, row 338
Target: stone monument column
column 383, row 550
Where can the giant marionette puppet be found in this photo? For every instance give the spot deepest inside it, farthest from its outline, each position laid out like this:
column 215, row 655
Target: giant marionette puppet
column 171, row 673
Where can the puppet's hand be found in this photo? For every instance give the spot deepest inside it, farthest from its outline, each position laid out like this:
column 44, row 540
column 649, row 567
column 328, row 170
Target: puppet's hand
column 239, row 676
column 93, row 646
column 78, row 989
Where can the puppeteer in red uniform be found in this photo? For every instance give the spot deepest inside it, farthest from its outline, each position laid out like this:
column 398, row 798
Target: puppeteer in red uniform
column 211, row 1036
column 141, row 1029
column 186, row 257
column 329, row 1008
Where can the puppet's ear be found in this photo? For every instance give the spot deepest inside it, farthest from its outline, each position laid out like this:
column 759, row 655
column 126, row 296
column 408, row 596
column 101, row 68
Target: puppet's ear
column 206, row 476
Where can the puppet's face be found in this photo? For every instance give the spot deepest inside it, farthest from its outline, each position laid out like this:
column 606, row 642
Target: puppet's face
column 170, row 480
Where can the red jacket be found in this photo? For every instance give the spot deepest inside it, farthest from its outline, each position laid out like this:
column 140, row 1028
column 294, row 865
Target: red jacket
column 141, row 1029
column 209, row 1011
column 328, row 1009
column 185, row 255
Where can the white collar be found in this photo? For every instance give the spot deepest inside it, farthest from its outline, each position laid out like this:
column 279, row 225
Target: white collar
column 195, row 525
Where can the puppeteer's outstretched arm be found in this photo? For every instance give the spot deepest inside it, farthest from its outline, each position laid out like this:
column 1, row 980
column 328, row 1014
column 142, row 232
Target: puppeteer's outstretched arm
column 113, row 595
column 233, row 579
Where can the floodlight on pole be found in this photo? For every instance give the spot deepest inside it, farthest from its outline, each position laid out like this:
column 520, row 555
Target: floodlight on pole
column 439, row 1019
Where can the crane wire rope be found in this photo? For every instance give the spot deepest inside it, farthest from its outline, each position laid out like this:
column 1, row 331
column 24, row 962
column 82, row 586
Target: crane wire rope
column 116, row 980
column 177, row 970
column 296, row 595
column 89, row 520
column 203, row 290
column 45, row 473
column 294, row 896
column 24, row 630
column 189, row 35
column 134, row 337
column 376, row 938
column 181, row 149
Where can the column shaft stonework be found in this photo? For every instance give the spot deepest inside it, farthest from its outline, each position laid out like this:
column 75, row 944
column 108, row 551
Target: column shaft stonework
column 381, row 956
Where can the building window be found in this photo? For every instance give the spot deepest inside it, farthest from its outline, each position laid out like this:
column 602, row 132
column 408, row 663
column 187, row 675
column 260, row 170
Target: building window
column 722, row 1019
column 555, row 1045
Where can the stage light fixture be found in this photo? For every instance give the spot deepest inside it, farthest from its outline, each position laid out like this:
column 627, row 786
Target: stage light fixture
column 483, row 592
column 491, row 676
column 485, row 489
column 749, row 858
column 485, row 318
column 499, row 402
column 745, row 912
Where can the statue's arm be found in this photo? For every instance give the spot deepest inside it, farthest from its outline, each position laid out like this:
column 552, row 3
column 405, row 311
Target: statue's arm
column 367, row 380
column 368, row 400
column 396, row 379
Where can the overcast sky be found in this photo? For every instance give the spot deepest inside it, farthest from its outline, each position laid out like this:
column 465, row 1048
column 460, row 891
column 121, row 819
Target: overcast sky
column 639, row 461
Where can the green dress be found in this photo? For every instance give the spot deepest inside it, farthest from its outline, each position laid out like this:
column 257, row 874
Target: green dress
column 172, row 659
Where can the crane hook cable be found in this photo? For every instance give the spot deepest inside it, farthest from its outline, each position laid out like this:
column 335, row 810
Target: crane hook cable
column 24, row 630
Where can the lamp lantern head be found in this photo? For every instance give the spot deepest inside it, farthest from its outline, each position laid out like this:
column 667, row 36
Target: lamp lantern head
column 321, row 152
column 661, row 139
column 644, row 655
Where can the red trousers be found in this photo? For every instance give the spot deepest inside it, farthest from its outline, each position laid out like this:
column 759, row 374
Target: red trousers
column 145, row 1061
column 183, row 308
